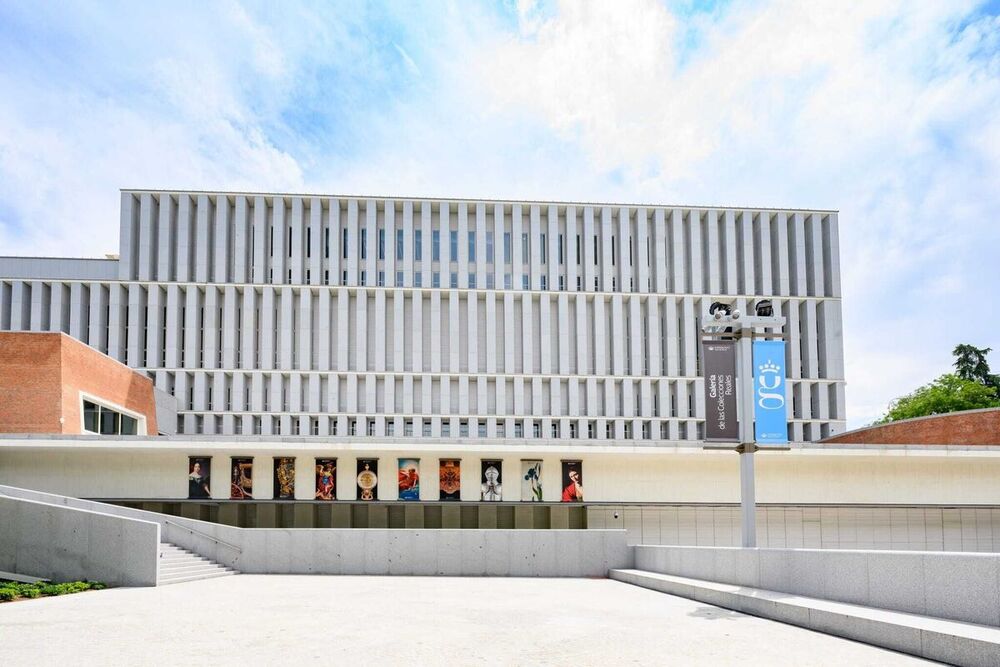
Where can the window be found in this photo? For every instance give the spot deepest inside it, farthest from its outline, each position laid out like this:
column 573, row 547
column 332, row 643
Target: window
column 399, row 244
column 489, row 248
column 506, row 247
column 472, row 281
column 453, row 246
column 364, row 244
column 436, row 246
column 106, row 421
column 436, row 279
column 418, row 245
column 472, row 246
column 381, row 244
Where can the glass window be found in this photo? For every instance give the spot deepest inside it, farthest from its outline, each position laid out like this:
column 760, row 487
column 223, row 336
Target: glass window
column 436, row 246
column 453, row 246
column 418, row 245
column 130, row 425
column 90, row 416
column 399, row 244
column 472, row 246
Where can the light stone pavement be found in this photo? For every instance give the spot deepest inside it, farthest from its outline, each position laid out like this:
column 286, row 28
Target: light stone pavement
column 289, row 620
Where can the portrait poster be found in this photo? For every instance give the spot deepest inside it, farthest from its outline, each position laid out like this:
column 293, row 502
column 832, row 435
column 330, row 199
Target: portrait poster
column 572, row 481
column 199, row 472
column 531, row 481
column 326, row 479
column 409, row 479
column 491, row 481
column 367, row 479
column 241, row 478
column 284, row 478
column 451, row 479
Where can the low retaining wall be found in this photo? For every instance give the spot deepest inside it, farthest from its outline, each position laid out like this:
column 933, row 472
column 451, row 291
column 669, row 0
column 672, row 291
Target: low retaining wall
column 957, row 586
column 66, row 544
column 461, row 552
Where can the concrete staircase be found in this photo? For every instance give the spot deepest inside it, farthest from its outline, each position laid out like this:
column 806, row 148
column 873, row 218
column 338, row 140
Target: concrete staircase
column 177, row 565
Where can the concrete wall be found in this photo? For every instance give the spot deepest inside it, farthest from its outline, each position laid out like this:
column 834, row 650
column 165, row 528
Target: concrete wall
column 66, row 544
column 920, row 528
column 961, row 587
column 542, row 553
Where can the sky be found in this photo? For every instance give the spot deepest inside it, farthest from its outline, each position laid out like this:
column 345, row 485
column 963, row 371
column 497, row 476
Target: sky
column 888, row 111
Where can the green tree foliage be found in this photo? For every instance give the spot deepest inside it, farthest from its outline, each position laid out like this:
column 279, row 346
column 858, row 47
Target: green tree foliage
column 948, row 393
column 971, row 364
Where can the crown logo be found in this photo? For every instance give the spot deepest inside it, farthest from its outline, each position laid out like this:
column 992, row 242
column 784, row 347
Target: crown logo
column 768, row 367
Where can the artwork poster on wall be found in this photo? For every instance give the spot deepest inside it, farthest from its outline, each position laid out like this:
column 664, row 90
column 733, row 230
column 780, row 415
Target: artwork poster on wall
column 531, row 481
column 241, row 478
column 572, row 481
column 199, row 472
column 284, row 478
column 409, row 479
column 326, row 479
column 367, row 479
column 491, row 481
column 451, row 479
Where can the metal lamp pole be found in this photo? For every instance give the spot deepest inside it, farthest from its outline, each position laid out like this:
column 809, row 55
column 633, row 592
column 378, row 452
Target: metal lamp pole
column 743, row 330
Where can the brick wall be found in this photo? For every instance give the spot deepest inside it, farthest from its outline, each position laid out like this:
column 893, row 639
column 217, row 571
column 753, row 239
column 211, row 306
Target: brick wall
column 43, row 374
column 971, row 427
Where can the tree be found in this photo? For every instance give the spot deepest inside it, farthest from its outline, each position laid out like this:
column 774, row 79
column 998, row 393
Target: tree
column 948, row 393
column 971, row 364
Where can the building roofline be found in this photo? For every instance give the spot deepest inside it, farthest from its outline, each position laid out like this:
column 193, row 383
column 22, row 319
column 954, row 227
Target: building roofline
column 473, row 199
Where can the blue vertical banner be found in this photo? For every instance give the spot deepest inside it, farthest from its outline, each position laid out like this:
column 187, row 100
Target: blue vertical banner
column 769, row 410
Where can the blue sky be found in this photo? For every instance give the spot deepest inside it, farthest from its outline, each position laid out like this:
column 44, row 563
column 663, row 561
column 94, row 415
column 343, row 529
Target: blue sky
column 888, row 111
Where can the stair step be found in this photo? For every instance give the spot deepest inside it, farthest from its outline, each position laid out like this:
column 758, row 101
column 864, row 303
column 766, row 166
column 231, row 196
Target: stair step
column 195, row 577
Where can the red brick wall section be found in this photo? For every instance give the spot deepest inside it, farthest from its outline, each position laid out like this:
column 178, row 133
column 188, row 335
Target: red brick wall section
column 30, row 391
column 42, row 376
column 971, row 427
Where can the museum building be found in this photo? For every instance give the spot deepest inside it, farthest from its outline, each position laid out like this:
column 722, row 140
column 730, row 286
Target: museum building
column 342, row 350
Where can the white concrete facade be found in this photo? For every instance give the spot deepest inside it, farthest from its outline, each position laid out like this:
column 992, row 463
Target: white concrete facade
column 441, row 319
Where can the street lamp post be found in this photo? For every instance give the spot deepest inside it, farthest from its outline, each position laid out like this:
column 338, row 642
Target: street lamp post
column 744, row 329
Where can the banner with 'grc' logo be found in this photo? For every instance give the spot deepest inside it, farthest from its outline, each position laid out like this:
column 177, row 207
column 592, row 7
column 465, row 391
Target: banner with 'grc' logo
column 769, row 410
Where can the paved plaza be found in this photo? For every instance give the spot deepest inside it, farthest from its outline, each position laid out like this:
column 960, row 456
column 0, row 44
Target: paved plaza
column 279, row 619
